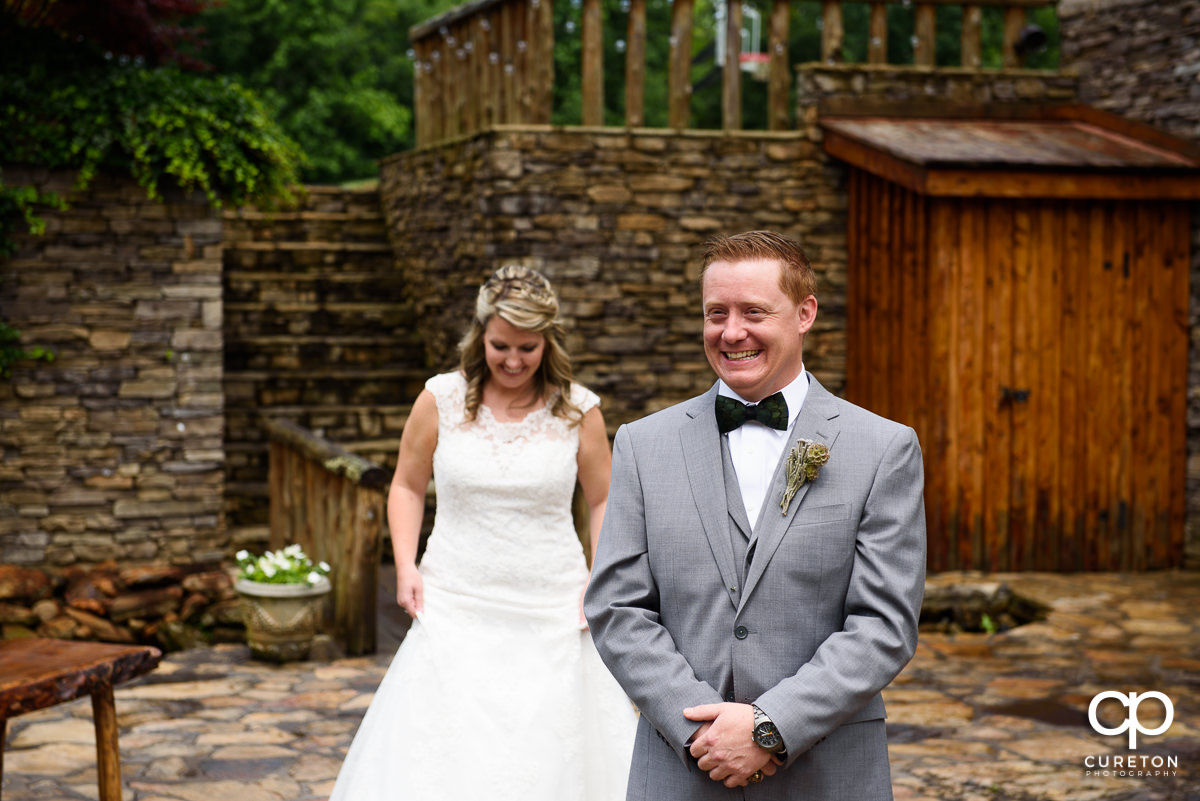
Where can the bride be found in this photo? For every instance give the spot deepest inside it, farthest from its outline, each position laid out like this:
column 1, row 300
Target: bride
column 497, row 691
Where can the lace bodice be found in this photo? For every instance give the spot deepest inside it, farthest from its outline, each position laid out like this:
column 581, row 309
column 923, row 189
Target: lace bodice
column 503, row 527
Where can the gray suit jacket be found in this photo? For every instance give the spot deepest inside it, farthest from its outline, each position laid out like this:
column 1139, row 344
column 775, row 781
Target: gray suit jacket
column 826, row 616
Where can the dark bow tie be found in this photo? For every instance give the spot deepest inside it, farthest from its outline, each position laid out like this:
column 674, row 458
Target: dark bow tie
column 770, row 411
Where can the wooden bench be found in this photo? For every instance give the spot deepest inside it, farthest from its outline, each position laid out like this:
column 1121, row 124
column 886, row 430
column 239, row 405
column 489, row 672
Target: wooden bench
column 37, row 673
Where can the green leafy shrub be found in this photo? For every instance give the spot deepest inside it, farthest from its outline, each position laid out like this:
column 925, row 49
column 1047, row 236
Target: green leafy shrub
column 200, row 132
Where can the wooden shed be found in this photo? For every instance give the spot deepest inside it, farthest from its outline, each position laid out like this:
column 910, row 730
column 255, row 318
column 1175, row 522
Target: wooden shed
column 1018, row 293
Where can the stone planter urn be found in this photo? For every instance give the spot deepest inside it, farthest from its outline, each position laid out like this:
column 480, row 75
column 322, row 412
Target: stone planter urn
column 281, row 619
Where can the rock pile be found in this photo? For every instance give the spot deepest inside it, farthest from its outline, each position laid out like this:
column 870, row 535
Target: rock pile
column 979, row 607
column 170, row 607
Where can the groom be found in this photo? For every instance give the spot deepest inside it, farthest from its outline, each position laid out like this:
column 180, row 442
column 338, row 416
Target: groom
column 754, row 612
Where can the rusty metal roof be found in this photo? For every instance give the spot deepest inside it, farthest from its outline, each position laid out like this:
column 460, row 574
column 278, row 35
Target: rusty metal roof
column 1026, row 144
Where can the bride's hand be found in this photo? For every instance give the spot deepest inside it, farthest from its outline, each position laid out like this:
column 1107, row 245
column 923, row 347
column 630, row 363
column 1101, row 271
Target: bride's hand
column 410, row 589
column 583, row 624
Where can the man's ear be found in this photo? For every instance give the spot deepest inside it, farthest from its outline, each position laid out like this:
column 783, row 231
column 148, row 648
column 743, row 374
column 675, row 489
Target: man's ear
column 808, row 313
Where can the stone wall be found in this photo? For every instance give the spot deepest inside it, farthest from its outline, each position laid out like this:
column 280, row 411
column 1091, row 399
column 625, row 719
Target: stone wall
column 114, row 450
column 1141, row 59
column 1137, row 58
column 318, row 331
column 913, row 90
column 617, row 220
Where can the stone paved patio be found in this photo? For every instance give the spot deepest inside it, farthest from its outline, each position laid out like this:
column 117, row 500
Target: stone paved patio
column 974, row 717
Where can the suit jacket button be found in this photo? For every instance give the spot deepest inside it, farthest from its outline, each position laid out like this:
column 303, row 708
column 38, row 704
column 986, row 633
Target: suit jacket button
column 741, row 632
column 729, row 697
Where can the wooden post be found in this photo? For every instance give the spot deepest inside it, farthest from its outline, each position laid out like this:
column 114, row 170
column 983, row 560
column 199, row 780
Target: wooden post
column 479, row 72
column 592, row 89
column 832, row 31
column 635, row 65
column 355, row 607
column 679, row 81
column 877, row 36
column 108, row 754
column 925, row 31
column 508, row 52
column 521, row 65
column 731, row 78
column 420, row 93
column 466, row 71
column 492, row 66
column 457, row 63
column 542, row 32
column 443, row 71
column 779, row 77
column 972, row 37
column 531, row 68
column 1014, row 21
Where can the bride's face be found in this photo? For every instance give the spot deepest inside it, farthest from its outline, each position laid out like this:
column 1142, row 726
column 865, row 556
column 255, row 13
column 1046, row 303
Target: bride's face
column 513, row 355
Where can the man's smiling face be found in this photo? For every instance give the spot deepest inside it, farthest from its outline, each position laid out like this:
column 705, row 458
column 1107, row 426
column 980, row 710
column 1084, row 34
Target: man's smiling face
column 753, row 332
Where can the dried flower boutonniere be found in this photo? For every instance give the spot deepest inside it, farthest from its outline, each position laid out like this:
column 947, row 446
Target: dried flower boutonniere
column 803, row 464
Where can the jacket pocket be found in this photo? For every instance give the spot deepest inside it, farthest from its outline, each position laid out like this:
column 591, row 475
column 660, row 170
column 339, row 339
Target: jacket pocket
column 808, row 516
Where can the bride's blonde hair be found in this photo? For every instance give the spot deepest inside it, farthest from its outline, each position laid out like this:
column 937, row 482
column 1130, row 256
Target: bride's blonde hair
column 523, row 298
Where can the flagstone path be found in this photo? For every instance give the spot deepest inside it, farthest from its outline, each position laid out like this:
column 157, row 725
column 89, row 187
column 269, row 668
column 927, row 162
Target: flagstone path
column 973, row 717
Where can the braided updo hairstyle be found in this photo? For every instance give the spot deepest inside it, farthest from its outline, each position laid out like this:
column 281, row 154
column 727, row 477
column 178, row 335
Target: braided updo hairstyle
column 523, row 298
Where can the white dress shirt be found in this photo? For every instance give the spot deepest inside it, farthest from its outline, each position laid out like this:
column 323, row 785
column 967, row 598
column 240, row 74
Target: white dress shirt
column 756, row 448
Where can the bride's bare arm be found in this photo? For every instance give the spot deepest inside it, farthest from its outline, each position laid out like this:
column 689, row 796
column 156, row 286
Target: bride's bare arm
column 406, row 499
column 594, row 466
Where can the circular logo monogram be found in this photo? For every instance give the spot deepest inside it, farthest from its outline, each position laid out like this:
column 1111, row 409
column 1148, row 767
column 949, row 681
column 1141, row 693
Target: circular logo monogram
column 1131, row 702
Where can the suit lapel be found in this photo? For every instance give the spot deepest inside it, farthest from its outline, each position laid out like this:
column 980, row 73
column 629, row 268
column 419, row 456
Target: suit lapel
column 817, row 423
column 702, row 455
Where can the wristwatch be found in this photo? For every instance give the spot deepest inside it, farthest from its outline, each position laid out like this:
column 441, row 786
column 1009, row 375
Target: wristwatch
column 765, row 732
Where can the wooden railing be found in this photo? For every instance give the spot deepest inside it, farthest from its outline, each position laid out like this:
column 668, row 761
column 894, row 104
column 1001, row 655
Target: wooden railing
column 925, row 30
column 491, row 61
column 331, row 502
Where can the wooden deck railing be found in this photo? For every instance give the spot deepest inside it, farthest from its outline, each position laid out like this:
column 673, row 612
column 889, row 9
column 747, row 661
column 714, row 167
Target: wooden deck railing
column 331, row 502
column 925, row 30
column 491, row 61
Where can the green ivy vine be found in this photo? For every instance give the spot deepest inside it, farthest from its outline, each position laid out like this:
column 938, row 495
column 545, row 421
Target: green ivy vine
column 67, row 105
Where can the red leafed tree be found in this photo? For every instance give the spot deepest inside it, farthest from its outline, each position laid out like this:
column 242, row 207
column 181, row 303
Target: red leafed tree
column 146, row 29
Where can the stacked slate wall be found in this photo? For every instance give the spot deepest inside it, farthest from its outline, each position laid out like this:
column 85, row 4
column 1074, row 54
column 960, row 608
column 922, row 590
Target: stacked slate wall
column 115, row 449
column 617, row 220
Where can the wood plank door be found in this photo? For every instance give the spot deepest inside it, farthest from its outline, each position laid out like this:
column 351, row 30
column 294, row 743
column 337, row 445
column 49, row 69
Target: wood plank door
column 1039, row 348
column 1077, row 451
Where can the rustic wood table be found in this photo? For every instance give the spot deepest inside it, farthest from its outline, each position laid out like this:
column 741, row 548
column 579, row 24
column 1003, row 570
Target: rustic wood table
column 36, row 673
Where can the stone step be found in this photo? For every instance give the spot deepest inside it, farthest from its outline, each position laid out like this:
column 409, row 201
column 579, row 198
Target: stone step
column 309, row 274
column 308, row 308
column 252, row 215
column 290, row 340
column 387, row 445
column 310, row 373
column 359, row 247
column 296, row 412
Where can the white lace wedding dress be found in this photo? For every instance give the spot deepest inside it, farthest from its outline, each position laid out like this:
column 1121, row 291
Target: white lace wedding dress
column 497, row 691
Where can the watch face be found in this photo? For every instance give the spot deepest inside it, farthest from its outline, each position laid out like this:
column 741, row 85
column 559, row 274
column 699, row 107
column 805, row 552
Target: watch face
column 767, row 736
